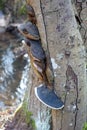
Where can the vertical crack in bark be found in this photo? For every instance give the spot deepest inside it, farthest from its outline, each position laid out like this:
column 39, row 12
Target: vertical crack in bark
column 79, row 9
column 48, row 54
column 50, row 71
column 83, row 28
column 72, row 83
column 44, row 24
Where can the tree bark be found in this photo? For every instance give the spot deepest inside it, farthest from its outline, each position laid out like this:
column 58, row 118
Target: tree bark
column 59, row 33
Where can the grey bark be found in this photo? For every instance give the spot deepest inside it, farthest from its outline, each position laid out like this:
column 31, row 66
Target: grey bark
column 59, row 32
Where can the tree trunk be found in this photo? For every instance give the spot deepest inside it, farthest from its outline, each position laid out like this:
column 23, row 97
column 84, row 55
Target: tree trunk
column 59, row 33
